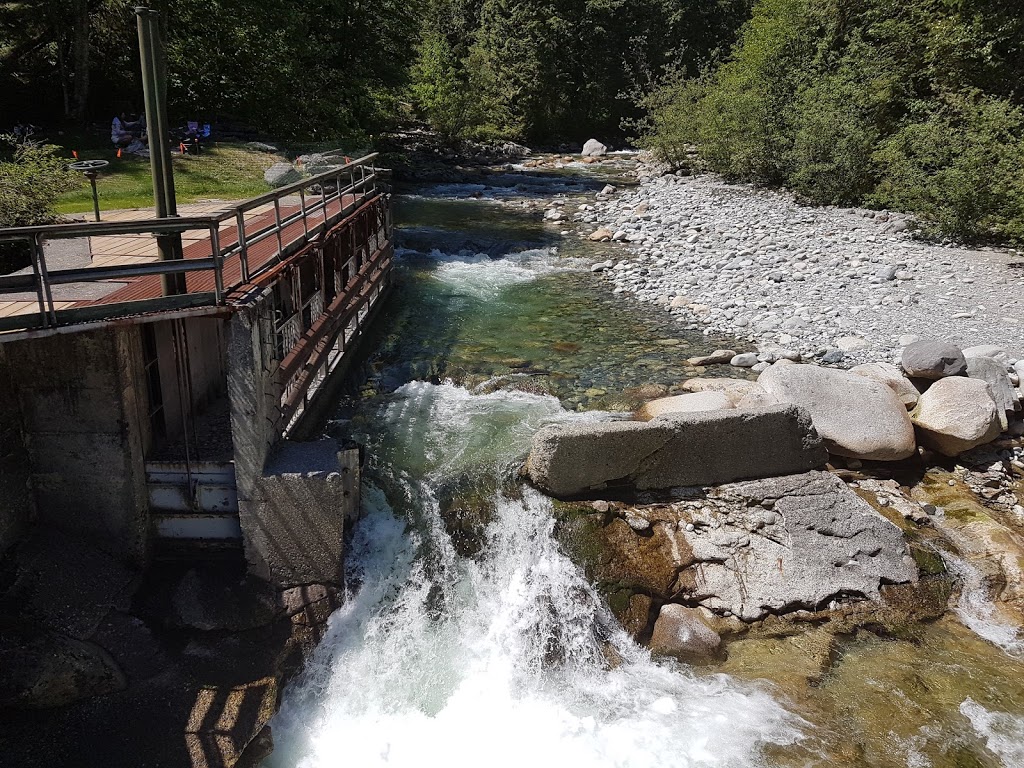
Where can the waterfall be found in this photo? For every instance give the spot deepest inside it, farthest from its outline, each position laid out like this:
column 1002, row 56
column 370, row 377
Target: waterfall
column 508, row 658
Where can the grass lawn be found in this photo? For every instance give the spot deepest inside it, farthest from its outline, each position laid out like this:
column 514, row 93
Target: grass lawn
column 223, row 171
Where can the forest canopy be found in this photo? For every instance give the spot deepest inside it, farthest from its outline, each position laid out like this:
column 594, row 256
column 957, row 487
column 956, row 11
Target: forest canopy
column 916, row 105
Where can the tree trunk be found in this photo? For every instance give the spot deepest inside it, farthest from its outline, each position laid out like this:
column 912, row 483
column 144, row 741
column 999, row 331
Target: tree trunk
column 65, row 84
column 80, row 56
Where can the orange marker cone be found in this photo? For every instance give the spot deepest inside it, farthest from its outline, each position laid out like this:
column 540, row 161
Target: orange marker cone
column 74, row 153
column 119, row 152
column 181, row 148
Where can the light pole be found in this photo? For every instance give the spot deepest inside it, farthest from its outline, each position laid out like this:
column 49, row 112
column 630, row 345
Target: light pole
column 151, row 54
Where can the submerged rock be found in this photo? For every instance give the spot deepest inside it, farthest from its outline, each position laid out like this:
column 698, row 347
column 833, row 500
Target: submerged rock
column 682, row 632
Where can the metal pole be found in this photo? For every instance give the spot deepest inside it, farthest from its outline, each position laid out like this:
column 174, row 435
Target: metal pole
column 160, row 62
column 91, row 175
column 151, row 55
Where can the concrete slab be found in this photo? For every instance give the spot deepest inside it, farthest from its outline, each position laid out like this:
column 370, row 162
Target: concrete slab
column 691, row 449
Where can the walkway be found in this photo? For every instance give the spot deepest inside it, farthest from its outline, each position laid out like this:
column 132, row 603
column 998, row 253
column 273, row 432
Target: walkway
column 126, row 250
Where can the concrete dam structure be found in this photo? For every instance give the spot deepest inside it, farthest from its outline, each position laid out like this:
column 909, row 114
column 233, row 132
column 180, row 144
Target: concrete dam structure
column 148, row 404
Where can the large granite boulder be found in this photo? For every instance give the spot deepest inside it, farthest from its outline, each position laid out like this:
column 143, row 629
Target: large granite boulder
column 736, row 388
column 281, row 175
column 933, row 360
column 994, row 351
column 749, row 549
column 856, row 416
column 892, row 377
column 594, row 148
column 684, row 449
column 993, row 373
column 955, row 415
column 690, row 402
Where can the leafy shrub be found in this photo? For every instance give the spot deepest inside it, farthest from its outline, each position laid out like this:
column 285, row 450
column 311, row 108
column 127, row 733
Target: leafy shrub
column 833, row 139
column 960, row 166
column 30, row 181
column 907, row 105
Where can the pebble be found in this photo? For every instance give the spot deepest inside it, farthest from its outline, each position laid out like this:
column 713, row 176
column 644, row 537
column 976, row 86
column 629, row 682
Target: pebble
column 745, row 360
column 756, row 264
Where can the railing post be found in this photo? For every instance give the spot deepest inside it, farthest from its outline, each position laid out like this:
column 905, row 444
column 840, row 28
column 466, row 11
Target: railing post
column 218, row 264
column 277, row 220
column 243, row 251
column 302, row 206
column 38, row 273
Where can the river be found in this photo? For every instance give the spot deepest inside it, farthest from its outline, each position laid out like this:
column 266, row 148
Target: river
column 469, row 638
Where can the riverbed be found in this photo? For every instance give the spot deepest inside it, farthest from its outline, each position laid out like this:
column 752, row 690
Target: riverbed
column 469, row 637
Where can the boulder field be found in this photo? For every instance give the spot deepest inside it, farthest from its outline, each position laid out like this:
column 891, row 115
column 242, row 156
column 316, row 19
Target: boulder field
column 724, row 429
column 711, row 514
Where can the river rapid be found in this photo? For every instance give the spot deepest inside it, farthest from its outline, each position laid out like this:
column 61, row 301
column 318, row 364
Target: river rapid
column 467, row 636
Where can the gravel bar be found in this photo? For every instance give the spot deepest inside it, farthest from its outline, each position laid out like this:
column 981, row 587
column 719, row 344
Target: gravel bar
column 844, row 285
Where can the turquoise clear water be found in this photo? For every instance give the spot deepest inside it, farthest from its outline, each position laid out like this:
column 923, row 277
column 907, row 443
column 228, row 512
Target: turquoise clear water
column 490, row 295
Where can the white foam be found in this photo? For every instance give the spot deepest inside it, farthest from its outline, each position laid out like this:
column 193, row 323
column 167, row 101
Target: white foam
column 977, row 611
column 439, row 660
column 481, row 276
column 1003, row 733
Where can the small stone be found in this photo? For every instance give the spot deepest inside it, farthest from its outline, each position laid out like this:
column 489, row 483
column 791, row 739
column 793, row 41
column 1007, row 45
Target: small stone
column 637, row 523
column 745, row 360
column 851, row 343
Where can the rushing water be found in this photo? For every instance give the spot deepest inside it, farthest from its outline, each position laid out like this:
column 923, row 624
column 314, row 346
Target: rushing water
column 502, row 654
column 438, row 659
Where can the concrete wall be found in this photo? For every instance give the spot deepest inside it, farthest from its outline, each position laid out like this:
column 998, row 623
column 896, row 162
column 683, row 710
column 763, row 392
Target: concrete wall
column 293, row 498
column 294, row 525
column 84, row 418
column 253, row 392
column 206, row 344
column 17, row 506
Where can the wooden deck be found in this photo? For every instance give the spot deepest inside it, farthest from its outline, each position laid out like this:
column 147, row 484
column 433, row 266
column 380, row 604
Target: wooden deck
column 84, row 267
column 120, row 250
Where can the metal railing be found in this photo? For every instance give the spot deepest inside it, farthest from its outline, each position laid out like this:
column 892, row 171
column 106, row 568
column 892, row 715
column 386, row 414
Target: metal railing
column 316, row 196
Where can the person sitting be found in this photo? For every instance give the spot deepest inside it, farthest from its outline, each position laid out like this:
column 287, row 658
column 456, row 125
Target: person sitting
column 120, row 135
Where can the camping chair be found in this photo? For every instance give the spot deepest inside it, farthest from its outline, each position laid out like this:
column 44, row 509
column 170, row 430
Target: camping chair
column 193, row 136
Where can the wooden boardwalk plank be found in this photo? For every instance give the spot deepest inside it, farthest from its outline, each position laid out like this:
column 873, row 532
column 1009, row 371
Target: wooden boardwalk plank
column 259, row 254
